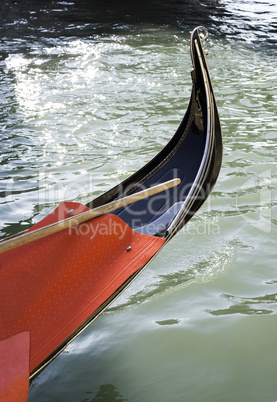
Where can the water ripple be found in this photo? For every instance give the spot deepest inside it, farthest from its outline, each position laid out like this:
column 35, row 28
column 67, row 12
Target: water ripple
column 247, row 305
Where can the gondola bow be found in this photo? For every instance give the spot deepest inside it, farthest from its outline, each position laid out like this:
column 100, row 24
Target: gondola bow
column 52, row 288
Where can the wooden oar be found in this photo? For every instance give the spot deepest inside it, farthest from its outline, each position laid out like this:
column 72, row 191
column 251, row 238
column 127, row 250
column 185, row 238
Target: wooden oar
column 28, row 237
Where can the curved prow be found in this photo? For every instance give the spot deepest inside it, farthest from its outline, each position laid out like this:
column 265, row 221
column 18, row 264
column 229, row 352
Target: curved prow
column 194, row 154
column 205, row 119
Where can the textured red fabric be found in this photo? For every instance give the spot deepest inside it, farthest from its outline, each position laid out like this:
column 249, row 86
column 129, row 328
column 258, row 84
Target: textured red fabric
column 14, row 368
column 51, row 286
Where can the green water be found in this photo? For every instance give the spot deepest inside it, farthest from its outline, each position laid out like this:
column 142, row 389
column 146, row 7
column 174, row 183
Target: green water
column 80, row 113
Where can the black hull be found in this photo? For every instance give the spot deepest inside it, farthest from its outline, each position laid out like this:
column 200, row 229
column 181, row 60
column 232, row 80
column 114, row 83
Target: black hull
column 194, row 154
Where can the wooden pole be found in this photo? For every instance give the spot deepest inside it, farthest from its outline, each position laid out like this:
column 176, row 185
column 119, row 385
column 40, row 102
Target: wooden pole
column 56, row 227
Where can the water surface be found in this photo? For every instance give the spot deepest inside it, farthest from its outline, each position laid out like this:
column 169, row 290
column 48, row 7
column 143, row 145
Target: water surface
column 91, row 92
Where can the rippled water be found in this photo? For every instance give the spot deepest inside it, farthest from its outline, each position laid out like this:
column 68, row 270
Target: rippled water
column 91, row 92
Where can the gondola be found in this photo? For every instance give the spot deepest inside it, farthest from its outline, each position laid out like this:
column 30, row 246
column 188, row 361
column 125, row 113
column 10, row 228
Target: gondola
column 52, row 288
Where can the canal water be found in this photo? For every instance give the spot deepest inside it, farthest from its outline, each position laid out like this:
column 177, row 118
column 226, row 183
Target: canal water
column 92, row 90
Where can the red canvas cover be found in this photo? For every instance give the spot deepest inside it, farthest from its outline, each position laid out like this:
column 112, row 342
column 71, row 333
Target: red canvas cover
column 51, row 286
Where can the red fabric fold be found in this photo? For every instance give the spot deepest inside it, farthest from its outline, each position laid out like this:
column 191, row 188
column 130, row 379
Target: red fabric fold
column 14, row 368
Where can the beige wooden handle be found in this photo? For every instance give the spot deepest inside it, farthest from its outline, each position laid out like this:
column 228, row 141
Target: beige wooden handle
column 25, row 238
